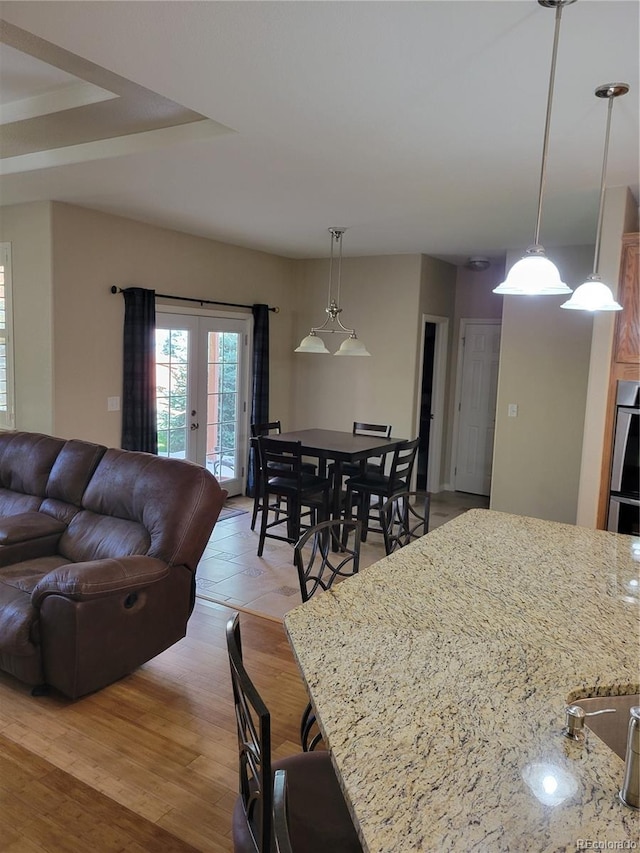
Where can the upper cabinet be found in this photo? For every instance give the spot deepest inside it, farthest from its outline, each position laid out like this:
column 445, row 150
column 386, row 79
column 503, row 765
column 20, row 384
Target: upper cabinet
column 627, row 339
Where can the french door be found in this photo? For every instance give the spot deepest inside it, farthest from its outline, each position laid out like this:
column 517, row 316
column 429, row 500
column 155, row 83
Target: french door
column 201, row 393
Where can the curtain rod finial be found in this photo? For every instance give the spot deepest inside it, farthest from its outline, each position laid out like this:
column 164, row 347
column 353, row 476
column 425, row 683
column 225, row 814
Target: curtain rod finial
column 114, row 289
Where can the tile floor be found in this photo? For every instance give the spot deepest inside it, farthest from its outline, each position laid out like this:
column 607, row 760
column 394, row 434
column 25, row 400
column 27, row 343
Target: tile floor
column 230, row 572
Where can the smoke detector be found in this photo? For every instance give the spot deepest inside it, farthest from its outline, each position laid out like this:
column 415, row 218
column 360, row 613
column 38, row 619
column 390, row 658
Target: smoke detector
column 478, row 263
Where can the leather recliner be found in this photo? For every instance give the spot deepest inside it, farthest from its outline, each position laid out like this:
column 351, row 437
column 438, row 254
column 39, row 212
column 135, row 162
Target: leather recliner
column 98, row 554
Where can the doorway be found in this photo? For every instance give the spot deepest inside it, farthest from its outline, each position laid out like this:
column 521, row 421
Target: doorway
column 426, row 397
column 477, row 389
column 201, row 393
column 430, row 408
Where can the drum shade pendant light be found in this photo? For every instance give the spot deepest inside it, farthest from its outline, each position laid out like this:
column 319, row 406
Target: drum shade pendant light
column 332, row 325
column 594, row 295
column 534, row 274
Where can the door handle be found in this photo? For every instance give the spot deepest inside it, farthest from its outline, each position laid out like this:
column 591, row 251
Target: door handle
column 194, row 426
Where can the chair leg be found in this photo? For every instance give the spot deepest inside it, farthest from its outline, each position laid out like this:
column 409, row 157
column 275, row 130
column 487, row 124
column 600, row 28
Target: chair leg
column 363, row 514
column 263, row 524
column 256, row 507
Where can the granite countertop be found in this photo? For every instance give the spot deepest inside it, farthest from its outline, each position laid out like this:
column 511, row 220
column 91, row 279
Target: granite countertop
column 440, row 676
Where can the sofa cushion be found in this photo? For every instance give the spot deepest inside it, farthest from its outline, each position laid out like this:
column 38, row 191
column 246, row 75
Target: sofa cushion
column 90, row 536
column 26, row 526
column 26, row 460
column 72, row 470
column 19, row 633
column 13, row 503
column 176, row 501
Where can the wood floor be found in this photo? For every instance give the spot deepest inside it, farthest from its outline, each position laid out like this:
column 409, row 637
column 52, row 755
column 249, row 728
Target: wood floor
column 148, row 762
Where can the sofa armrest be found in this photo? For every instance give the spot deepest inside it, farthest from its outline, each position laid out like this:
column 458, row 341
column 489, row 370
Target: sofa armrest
column 100, row 578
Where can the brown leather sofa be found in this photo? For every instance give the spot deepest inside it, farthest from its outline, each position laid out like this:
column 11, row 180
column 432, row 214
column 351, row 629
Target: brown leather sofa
column 98, row 556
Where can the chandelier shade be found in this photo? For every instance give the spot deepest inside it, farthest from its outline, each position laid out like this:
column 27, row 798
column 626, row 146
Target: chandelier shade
column 333, row 325
column 534, row 274
column 312, row 343
column 593, row 295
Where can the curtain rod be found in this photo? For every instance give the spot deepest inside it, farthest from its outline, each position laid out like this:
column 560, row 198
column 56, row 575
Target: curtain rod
column 275, row 309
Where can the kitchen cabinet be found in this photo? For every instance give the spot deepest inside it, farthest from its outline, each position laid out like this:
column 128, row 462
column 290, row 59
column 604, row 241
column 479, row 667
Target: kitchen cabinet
column 627, row 336
column 625, row 360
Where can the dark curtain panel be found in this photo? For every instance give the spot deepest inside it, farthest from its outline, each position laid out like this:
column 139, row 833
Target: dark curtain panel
column 259, row 382
column 139, row 429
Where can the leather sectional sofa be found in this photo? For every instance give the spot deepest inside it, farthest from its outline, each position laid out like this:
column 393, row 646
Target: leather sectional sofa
column 98, row 556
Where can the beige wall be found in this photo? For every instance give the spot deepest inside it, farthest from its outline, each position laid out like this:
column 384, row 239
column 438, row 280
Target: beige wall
column 544, row 367
column 28, row 228
column 380, row 298
column 93, row 251
column 620, row 216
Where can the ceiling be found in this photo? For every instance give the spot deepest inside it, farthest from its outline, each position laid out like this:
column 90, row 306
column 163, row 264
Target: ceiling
column 416, row 125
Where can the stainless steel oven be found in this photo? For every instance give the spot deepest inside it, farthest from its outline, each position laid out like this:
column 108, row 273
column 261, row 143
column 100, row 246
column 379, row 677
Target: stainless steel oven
column 624, row 491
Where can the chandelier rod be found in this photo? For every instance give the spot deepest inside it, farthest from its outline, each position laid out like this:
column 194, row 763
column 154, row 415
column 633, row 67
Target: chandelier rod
column 547, row 126
column 596, row 257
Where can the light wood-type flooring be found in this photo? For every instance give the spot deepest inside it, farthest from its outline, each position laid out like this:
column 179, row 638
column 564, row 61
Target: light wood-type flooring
column 149, row 764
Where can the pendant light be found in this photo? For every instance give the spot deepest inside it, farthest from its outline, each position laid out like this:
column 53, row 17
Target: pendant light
column 594, row 295
column 534, row 274
column 332, row 325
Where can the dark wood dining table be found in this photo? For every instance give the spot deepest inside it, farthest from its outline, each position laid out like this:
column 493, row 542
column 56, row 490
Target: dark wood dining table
column 328, row 445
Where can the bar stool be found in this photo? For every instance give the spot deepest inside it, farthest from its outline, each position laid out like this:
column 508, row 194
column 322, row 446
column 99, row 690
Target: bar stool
column 282, row 476
column 363, row 487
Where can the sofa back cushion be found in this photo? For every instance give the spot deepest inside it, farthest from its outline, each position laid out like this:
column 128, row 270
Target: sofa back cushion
column 26, row 460
column 151, row 505
column 90, row 536
column 69, row 477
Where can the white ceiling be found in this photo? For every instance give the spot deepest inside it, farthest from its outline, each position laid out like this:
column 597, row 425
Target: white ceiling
column 416, row 125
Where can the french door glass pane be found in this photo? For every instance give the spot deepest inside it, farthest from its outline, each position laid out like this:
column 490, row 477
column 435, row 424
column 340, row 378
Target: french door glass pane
column 172, row 377
column 222, row 403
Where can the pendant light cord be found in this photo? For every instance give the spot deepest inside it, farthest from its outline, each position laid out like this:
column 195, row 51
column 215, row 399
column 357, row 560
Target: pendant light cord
column 596, row 257
column 547, row 126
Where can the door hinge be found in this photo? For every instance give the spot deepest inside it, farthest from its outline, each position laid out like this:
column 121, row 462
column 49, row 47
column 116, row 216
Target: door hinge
column 242, row 475
column 464, row 340
column 455, row 471
column 459, row 406
column 246, row 340
column 244, row 406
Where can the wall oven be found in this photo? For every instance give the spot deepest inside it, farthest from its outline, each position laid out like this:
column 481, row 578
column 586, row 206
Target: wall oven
column 624, row 491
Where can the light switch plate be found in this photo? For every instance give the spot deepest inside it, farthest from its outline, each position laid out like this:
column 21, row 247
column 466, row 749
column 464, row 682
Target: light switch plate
column 512, row 410
column 113, row 404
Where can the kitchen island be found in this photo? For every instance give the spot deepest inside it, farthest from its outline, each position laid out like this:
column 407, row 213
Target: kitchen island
column 440, row 676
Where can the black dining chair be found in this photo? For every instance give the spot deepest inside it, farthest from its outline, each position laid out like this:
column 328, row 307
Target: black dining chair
column 324, row 554
column 282, row 476
column 318, row 818
column 405, row 517
column 269, row 428
column 373, row 464
column 362, row 488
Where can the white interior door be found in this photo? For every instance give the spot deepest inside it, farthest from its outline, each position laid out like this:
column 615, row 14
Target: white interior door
column 201, row 391
column 477, row 407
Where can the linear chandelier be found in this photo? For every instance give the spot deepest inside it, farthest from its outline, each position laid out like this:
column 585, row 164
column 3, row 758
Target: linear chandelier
column 333, row 325
column 594, row 294
column 534, row 274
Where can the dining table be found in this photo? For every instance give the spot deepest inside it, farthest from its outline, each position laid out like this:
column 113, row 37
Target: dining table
column 328, row 445
column 440, row 678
